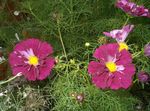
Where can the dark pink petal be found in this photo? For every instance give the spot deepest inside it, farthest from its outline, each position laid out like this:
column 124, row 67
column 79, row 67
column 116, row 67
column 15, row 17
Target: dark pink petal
column 27, row 44
column 15, row 60
column 45, row 49
column 125, row 58
column 104, row 51
column 19, row 69
column 129, row 70
column 31, row 75
column 110, row 80
column 116, row 82
column 101, row 80
column 46, row 68
column 126, row 82
column 96, row 68
column 112, row 50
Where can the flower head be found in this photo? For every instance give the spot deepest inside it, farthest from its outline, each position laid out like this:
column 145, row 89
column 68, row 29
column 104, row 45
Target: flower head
column 132, row 8
column 147, row 50
column 120, row 34
column 114, row 69
column 143, row 77
column 32, row 58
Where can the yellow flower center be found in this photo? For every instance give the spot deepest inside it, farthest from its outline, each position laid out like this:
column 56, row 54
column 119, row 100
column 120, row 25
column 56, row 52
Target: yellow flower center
column 111, row 66
column 33, row 60
column 122, row 45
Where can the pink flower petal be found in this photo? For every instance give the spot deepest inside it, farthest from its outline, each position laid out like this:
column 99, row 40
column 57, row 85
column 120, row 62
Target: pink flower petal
column 46, row 69
column 14, row 60
column 31, row 75
column 126, row 82
column 101, row 80
column 125, row 58
column 96, row 68
column 45, row 49
column 107, row 34
column 116, row 82
column 103, row 51
column 129, row 70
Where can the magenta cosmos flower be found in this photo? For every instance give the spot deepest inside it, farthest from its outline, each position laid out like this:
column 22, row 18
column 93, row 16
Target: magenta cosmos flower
column 120, row 35
column 114, row 68
column 132, row 8
column 32, row 58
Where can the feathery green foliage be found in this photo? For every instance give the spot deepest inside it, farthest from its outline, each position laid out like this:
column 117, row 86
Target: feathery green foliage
column 77, row 21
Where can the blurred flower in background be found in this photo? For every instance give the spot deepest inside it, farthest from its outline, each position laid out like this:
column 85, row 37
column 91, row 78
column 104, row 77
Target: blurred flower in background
column 132, row 9
column 120, row 34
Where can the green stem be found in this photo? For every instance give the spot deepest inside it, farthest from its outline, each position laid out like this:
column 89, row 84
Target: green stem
column 136, row 54
column 10, row 79
column 126, row 21
column 88, row 55
column 40, row 21
column 62, row 43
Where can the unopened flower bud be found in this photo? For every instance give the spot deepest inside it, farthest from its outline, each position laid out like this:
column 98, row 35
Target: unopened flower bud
column 87, row 44
column 147, row 50
column 143, row 77
column 80, row 97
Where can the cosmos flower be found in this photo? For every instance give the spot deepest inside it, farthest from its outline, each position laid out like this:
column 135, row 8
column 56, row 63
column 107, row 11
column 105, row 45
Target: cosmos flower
column 132, row 9
column 114, row 68
column 120, row 35
column 32, row 58
column 147, row 50
column 143, row 77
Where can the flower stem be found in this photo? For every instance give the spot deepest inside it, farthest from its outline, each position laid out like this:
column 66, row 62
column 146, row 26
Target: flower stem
column 128, row 18
column 10, row 79
column 39, row 20
column 136, row 54
column 62, row 43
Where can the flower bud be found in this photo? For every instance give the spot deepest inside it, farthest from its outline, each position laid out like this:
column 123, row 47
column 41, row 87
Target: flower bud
column 143, row 77
column 147, row 50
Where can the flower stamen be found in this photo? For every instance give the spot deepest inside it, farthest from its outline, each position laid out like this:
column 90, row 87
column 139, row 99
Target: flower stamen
column 111, row 66
column 122, row 46
column 33, row 60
